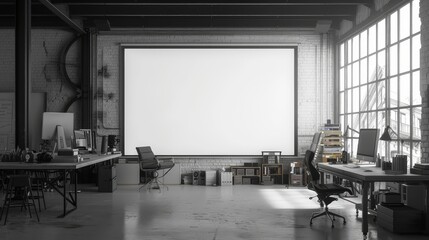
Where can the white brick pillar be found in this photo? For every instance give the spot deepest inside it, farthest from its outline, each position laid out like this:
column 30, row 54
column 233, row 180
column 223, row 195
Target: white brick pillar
column 424, row 78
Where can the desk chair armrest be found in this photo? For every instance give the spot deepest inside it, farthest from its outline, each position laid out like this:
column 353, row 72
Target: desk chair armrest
column 165, row 159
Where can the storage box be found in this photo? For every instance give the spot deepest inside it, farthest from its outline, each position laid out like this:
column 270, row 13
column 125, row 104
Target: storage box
column 266, row 178
column 399, row 218
column 107, row 178
column 238, row 180
column 224, row 178
column 296, row 179
column 250, row 172
column 246, row 180
column 240, row 171
column 271, row 182
column 390, row 197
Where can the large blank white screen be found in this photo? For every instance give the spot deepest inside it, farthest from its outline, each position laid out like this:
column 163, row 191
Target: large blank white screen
column 209, row 101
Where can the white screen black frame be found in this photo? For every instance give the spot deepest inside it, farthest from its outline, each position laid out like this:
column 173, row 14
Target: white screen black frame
column 213, row 47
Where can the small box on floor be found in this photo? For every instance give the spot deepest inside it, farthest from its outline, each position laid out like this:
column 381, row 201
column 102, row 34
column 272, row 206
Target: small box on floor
column 246, row 180
column 224, row 178
column 107, row 178
column 266, row 180
column 238, row 180
column 399, row 218
column 390, row 197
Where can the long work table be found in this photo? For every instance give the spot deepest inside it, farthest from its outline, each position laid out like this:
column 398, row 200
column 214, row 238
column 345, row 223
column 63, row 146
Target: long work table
column 367, row 176
column 63, row 168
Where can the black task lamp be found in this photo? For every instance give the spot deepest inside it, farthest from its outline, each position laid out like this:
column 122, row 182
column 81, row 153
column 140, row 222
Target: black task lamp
column 346, row 132
column 388, row 133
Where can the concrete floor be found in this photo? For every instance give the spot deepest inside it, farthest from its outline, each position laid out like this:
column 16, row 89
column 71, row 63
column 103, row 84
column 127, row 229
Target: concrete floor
column 191, row 212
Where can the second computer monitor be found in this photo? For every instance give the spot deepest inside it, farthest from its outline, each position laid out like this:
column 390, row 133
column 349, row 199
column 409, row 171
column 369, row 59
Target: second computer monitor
column 368, row 144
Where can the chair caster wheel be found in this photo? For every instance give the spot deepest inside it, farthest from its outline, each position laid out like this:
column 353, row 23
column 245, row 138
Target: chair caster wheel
column 344, row 222
column 332, row 226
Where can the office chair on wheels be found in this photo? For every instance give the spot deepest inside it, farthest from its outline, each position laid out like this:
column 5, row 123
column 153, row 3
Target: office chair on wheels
column 150, row 164
column 323, row 191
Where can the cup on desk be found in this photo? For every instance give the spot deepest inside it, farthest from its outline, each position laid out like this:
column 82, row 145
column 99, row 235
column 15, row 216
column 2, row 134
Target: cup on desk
column 379, row 161
column 385, row 165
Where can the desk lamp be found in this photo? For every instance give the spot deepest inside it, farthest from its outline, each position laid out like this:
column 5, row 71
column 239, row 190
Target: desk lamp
column 347, row 131
column 388, row 135
column 346, row 134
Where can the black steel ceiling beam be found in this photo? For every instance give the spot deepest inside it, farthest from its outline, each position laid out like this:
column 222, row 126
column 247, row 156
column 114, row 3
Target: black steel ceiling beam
column 215, row 2
column 208, row 22
column 36, row 9
column 62, row 16
column 92, row 10
column 36, row 22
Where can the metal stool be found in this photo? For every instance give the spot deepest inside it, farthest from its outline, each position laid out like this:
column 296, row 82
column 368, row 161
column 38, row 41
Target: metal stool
column 18, row 193
column 38, row 180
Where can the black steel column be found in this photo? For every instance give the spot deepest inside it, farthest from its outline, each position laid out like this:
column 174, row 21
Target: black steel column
column 22, row 71
column 86, row 80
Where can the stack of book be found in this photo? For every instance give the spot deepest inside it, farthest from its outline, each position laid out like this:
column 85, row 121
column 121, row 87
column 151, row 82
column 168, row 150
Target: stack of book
column 332, row 142
column 68, row 152
column 420, row 168
column 67, row 155
column 399, row 164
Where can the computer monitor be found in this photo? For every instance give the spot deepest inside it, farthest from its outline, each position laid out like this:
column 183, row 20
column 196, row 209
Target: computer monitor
column 58, row 126
column 368, row 144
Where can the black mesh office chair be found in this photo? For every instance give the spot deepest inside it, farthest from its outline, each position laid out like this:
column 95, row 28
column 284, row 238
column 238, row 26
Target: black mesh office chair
column 323, row 191
column 150, row 164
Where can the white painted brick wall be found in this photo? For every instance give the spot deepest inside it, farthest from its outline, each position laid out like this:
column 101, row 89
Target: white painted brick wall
column 315, row 67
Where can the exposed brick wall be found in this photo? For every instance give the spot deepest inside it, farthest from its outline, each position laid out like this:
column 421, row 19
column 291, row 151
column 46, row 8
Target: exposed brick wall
column 424, row 78
column 315, row 81
column 315, row 76
column 46, row 47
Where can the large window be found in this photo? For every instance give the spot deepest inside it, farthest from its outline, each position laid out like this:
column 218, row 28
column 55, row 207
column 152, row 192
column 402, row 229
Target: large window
column 379, row 82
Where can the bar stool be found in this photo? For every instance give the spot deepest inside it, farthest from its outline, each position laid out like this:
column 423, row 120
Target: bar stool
column 38, row 180
column 18, row 193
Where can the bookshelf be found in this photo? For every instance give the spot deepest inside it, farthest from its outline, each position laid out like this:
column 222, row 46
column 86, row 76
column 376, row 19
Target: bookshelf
column 272, row 174
column 271, row 157
column 246, row 175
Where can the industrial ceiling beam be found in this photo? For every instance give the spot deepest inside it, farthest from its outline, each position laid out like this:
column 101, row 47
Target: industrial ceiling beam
column 215, row 2
column 62, row 16
column 242, row 11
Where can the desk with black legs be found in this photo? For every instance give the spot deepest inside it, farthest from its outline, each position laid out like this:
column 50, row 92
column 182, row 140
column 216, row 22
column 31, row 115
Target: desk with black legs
column 63, row 169
column 367, row 178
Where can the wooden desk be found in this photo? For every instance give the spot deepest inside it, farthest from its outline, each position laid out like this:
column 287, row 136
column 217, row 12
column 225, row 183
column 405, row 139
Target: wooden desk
column 365, row 178
column 64, row 168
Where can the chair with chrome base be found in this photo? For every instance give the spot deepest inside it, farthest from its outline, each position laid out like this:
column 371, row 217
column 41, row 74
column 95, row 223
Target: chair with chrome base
column 323, row 191
column 151, row 164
